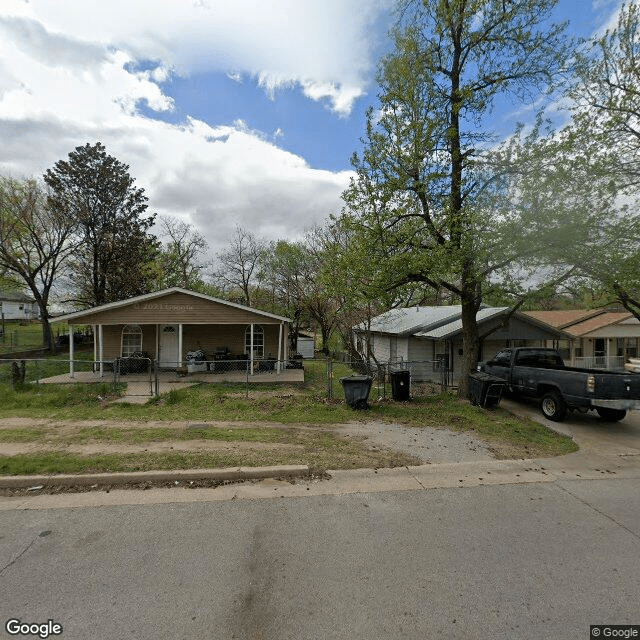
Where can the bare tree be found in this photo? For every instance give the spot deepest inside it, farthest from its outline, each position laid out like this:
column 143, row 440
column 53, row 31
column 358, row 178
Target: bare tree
column 34, row 242
column 238, row 265
column 182, row 260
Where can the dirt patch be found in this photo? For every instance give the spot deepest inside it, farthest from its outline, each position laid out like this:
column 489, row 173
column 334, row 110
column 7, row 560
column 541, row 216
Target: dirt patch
column 67, row 427
column 261, row 395
column 100, row 448
column 427, row 444
column 315, row 475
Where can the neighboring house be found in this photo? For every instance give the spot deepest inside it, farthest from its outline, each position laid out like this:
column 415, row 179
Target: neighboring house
column 428, row 340
column 600, row 338
column 18, row 306
column 169, row 324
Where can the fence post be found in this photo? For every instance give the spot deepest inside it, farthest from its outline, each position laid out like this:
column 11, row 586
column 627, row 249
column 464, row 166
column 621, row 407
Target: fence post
column 115, row 374
column 155, row 378
column 329, row 377
column 385, row 376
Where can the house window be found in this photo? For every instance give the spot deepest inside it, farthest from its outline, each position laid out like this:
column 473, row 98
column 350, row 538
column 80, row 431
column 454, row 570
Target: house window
column 258, row 341
column 131, row 339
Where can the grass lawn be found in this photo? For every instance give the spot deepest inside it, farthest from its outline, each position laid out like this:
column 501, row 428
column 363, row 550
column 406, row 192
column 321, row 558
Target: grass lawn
column 270, row 425
column 19, row 337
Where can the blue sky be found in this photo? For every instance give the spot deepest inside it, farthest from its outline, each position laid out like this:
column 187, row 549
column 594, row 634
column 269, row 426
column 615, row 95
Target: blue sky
column 227, row 113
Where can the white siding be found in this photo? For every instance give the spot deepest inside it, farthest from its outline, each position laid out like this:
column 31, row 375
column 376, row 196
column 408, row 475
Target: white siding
column 19, row 310
column 380, row 345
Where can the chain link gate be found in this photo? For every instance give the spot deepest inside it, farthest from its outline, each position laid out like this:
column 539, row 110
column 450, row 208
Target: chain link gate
column 139, row 375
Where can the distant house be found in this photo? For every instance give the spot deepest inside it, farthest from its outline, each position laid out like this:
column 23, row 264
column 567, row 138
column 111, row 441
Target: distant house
column 599, row 338
column 18, row 306
column 428, row 340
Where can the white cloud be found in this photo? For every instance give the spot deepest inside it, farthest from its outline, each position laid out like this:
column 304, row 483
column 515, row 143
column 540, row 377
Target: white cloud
column 71, row 73
column 319, row 43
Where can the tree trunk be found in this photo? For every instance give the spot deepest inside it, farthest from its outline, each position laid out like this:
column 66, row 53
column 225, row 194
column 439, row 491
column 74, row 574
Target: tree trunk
column 42, row 300
column 47, row 335
column 470, row 343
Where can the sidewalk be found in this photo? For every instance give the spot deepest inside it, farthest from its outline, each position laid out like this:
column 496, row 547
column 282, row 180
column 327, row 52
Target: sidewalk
column 575, row 466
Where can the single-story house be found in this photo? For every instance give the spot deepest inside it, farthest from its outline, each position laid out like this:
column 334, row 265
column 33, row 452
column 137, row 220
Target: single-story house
column 173, row 324
column 599, row 338
column 18, row 306
column 428, row 340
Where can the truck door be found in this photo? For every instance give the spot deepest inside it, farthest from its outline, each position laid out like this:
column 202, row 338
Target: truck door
column 500, row 364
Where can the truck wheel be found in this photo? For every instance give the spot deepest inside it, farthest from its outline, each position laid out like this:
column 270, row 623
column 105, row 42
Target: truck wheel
column 553, row 407
column 611, row 415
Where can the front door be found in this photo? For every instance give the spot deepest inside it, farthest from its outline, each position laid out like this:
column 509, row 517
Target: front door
column 168, row 356
column 600, row 353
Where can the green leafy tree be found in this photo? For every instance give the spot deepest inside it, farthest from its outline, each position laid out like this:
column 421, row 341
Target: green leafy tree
column 293, row 272
column 116, row 254
column 606, row 96
column 425, row 202
column 606, row 125
column 282, row 275
column 35, row 243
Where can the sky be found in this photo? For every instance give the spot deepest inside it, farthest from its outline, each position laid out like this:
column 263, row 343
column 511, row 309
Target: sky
column 227, row 112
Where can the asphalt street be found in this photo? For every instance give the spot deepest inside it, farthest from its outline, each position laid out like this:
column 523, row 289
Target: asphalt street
column 536, row 550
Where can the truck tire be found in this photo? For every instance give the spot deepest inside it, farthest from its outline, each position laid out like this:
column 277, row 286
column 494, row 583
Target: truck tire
column 611, row 415
column 553, row 407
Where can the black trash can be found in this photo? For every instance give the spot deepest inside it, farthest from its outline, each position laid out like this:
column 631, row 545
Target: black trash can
column 400, row 385
column 356, row 391
column 485, row 390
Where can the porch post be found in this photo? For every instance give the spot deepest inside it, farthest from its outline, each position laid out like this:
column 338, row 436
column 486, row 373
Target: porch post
column 71, row 367
column 101, row 350
column 157, row 343
column 180, row 345
column 251, row 350
column 285, row 346
column 279, row 366
column 94, row 328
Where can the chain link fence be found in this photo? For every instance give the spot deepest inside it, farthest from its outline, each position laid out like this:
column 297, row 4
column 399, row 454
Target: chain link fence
column 143, row 377
column 19, row 338
column 425, row 377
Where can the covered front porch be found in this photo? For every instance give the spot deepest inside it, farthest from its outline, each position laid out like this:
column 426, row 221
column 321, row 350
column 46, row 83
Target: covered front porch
column 182, row 332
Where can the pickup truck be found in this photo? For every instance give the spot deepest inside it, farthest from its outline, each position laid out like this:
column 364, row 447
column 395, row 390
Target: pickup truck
column 541, row 373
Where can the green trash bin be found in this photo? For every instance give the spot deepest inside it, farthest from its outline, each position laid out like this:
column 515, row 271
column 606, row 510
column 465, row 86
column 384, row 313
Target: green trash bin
column 356, row 391
column 485, row 390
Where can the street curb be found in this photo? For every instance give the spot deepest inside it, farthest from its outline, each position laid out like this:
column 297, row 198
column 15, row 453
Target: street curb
column 220, row 475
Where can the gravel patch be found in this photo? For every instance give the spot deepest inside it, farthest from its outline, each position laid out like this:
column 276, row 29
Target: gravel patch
column 427, row 443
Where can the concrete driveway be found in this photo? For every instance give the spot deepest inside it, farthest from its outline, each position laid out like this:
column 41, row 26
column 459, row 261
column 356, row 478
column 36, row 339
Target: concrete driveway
column 590, row 432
